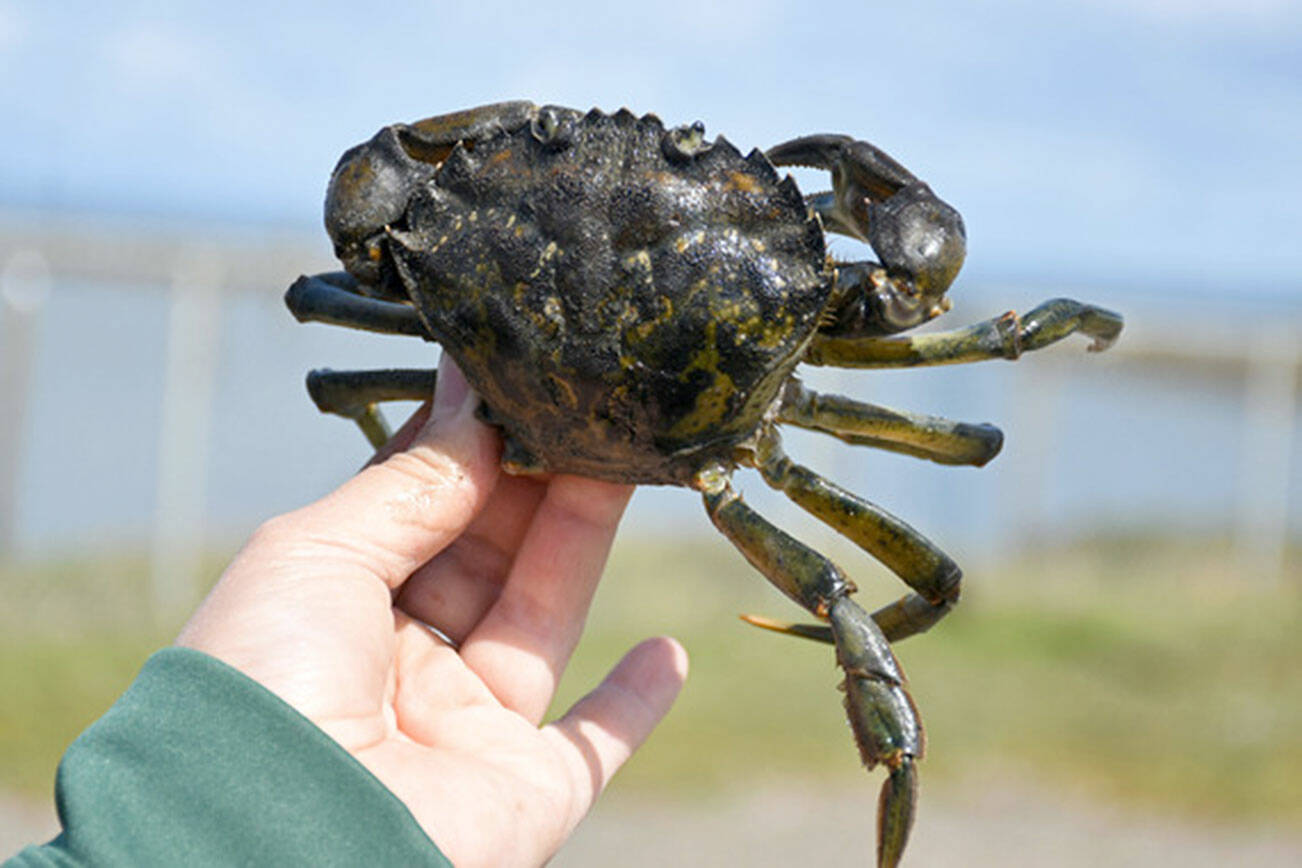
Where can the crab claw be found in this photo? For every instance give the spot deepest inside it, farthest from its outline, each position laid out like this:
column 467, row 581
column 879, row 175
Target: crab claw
column 919, row 238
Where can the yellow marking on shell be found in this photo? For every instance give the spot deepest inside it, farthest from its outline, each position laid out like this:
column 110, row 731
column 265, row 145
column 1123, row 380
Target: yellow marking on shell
column 743, row 182
column 552, row 309
column 711, row 402
column 685, row 241
column 510, row 220
column 730, row 311
column 543, row 258
column 639, row 260
column 564, row 391
column 645, row 327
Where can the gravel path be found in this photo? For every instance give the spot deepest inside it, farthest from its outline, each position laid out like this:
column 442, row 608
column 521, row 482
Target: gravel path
column 1019, row 825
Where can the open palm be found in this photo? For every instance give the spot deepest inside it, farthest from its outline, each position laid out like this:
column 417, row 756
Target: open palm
column 330, row 607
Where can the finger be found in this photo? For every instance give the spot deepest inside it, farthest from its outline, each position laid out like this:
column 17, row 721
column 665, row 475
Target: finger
column 394, row 516
column 454, row 590
column 523, row 643
column 604, row 728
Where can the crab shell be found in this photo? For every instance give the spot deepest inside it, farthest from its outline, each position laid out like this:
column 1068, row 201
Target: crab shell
column 627, row 300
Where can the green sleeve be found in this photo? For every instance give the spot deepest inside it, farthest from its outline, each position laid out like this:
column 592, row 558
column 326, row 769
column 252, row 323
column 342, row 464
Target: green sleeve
column 197, row 764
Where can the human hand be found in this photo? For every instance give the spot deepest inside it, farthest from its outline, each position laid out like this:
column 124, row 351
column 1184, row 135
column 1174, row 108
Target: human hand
column 327, row 608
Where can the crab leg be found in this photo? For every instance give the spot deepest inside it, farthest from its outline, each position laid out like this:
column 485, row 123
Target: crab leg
column 336, row 298
column 354, row 394
column 907, row 616
column 932, row 574
column 897, row 545
column 932, row 437
column 881, row 712
column 1003, row 337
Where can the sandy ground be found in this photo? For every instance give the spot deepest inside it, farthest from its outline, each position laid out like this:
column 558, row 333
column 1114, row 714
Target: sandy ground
column 1018, row 825
column 23, row 822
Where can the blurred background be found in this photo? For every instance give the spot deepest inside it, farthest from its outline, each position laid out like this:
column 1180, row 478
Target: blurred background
column 1121, row 685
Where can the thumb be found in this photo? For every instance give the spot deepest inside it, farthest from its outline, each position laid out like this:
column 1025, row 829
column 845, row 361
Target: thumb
column 397, row 514
column 603, row 729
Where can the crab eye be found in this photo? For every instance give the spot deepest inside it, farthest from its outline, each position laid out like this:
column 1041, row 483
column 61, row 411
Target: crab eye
column 684, row 143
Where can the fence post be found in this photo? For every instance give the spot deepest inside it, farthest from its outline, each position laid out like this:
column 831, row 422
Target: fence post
column 24, row 288
column 1269, row 412
column 190, row 366
column 1037, row 392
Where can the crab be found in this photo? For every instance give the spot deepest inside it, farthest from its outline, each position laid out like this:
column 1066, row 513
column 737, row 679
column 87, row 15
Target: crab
column 630, row 301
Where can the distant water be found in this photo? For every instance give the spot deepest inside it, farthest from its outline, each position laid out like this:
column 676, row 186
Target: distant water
column 1103, row 447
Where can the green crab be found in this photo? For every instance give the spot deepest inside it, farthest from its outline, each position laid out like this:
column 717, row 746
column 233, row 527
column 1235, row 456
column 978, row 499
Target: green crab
column 631, row 302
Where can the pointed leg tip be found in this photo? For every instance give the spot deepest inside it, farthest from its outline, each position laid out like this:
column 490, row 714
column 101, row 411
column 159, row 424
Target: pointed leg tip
column 895, row 811
column 817, row 632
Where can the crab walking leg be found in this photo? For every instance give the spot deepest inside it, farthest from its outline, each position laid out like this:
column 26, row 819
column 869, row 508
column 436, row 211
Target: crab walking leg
column 881, row 712
column 336, row 298
column 932, row 437
column 354, row 394
column 902, row 549
column 1003, row 337
column 907, row 616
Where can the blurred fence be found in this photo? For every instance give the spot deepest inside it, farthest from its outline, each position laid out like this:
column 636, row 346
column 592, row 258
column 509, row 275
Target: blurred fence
column 195, row 270
column 201, row 274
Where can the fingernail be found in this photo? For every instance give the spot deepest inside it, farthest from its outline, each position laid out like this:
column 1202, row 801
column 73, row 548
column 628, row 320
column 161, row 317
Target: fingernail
column 450, row 392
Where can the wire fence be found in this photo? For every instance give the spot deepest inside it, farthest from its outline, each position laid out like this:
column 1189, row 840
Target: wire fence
column 200, row 277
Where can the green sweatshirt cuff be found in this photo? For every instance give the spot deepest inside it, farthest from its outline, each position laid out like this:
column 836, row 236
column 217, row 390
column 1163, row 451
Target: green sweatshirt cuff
column 198, row 764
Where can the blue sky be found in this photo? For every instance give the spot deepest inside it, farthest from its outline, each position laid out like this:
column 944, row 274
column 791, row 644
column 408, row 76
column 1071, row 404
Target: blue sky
column 1123, row 137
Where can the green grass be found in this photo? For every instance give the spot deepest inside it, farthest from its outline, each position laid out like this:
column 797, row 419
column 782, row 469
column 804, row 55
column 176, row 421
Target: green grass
column 1160, row 680
column 73, row 634
column 1144, row 673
